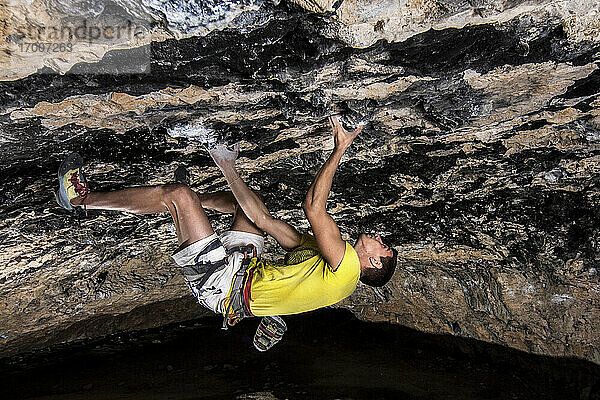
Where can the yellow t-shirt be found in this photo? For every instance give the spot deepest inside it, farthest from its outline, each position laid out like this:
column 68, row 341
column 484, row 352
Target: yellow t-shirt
column 304, row 282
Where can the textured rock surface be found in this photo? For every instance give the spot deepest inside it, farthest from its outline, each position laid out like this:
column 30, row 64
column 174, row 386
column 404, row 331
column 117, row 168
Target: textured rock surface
column 480, row 163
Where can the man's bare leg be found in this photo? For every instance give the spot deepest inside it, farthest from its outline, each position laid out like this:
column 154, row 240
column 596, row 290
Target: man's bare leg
column 191, row 222
column 251, row 204
column 225, row 202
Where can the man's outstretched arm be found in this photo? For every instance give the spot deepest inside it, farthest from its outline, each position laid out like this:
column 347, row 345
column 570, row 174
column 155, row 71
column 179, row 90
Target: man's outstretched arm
column 327, row 233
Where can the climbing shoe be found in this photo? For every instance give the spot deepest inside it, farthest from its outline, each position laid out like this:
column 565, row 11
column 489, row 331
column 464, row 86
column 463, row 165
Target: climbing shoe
column 71, row 182
column 182, row 175
column 269, row 332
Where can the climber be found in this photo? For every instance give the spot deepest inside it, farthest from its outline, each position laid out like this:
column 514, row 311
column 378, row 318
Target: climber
column 226, row 272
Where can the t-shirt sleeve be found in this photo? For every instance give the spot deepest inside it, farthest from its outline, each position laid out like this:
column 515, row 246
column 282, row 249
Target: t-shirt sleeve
column 350, row 259
column 349, row 268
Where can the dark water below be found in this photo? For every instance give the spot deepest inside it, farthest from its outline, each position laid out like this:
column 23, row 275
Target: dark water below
column 324, row 355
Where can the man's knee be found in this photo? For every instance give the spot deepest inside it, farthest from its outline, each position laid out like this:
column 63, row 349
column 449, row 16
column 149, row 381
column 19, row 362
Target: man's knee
column 177, row 193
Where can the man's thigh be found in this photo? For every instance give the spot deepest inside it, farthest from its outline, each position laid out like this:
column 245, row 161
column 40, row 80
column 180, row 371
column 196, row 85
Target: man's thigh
column 285, row 234
column 191, row 222
column 242, row 223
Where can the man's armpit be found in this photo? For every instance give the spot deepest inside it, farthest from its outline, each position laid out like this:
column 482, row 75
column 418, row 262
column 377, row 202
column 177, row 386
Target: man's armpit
column 341, row 261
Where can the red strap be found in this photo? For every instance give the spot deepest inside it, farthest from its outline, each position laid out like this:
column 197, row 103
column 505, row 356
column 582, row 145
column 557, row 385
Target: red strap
column 248, row 291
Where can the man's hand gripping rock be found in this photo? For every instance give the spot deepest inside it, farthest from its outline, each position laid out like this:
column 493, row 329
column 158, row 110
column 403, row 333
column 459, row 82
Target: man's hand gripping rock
column 341, row 137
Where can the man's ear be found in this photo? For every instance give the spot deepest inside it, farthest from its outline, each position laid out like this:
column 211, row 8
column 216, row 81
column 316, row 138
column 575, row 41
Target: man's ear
column 375, row 262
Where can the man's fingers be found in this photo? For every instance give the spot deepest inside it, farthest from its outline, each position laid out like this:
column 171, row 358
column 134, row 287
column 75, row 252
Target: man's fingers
column 335, row 122
column 358, row 130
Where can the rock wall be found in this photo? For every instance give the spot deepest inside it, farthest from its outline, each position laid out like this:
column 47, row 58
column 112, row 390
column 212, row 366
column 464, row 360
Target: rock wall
column 480, row 162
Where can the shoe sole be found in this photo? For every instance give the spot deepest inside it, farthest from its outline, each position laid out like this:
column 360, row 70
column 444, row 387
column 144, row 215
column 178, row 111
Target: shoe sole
column 73, row 161
column 269, row 333
column 181, row 175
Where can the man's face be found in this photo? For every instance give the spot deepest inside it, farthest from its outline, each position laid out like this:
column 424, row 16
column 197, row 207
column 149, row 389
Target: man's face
column 373, row 246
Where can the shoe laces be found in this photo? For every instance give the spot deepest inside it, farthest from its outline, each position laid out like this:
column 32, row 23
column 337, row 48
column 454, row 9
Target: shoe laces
column 81, row 188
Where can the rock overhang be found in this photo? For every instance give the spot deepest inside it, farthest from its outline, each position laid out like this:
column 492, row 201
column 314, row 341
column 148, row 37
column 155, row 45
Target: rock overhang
column 480, row 164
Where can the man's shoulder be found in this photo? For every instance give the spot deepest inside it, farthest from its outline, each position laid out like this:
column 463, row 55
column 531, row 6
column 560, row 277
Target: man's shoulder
column 349, row 265
column 349, row 261
column 350, row 258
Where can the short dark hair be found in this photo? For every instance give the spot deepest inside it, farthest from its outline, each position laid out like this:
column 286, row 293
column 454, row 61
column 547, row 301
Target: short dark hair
column 380, row 276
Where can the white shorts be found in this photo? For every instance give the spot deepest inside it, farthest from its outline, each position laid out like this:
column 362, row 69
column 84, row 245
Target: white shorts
column 215, row 290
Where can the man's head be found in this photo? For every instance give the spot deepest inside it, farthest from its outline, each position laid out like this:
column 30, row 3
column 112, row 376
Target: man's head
column 377, row 260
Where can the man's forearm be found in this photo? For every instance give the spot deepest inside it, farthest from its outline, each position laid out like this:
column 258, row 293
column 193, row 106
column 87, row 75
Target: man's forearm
column 316, row 197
